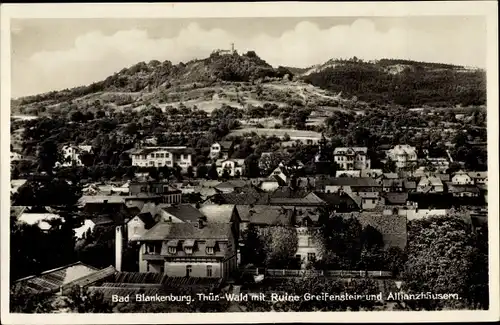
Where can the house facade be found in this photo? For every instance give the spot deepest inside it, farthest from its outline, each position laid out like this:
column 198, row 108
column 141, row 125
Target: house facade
column 72, row 155
column 234, row 167
column 162, row 156
column 352, row 158
column 404, row 156
column 307, row 247
column 462, row 178
column 188, row 250
column 138, row 225
column 479, row 178
column 430, row 184
column 163, row 190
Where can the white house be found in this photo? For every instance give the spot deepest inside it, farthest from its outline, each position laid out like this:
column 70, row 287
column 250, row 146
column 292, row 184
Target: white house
column 352, row 158
column 138, row 225
column 72, row 155
column 403, row 155
column 430, row 184
column 161, row 157
column 462, row 178
column 235, row 167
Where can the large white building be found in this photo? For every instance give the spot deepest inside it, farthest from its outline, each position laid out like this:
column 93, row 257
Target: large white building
column 352, row 158
column 403, row 155
column 161, row 157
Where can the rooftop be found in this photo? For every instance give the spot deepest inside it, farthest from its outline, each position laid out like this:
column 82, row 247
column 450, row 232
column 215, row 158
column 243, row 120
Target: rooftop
column 167, row 230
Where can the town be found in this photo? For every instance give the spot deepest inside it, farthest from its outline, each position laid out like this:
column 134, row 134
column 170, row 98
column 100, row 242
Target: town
column 365, row 199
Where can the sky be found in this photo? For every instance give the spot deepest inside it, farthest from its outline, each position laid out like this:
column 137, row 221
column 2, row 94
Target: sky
column 54, row 54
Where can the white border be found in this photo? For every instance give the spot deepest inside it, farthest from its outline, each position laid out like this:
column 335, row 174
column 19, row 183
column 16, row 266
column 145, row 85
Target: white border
column 290, row 9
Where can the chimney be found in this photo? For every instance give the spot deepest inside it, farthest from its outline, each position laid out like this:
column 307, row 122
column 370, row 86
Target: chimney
column 118, row 248
column 105, row 201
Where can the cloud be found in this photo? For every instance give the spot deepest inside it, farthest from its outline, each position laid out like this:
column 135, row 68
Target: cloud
column 94, row 55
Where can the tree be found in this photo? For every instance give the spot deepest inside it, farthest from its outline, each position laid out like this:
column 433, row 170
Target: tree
column 84, row 301
column 189, row 172
column 441, row 252
column 226, row 174
column 201, row 171
column 389, row 166
column 23, row 300
column 48, row 155
column 253, row 249
column 212, row 172
column 280, row 244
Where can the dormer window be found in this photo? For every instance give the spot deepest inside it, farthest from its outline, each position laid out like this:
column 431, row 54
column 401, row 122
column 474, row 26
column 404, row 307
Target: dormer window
column 210, row 250
column 172, row 250
column 188, row 246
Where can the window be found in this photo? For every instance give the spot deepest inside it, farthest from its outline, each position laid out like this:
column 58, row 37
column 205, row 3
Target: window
column 209, row 250
column 151, row 163
column 189, row 270
column 172, row 250
column 310, row 242
column 188, row 250
column 152, row 155
column 209, row 270
column 311, row 257
column 298, row 257
column 136, row 229
column 162, row 155
column 152, row 249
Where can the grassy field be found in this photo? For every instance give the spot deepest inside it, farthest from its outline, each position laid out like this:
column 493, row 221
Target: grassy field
column 278, row 132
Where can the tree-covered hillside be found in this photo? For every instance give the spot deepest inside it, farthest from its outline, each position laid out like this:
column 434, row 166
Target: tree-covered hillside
column 403, row 82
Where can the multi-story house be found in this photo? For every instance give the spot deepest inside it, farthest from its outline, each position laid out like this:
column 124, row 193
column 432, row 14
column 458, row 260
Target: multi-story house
column 461, row 178
column 403, row 155
column 430, row 184
column 162, row 156
column 234, row 167
column 307, row 246
column 163, row 190
column 479, row 178
column 200, row 249
column 72, row 155
column 221, row 150
column 352, row 158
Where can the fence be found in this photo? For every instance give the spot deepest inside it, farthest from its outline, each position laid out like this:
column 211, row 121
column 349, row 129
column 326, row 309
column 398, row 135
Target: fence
column 326, row 273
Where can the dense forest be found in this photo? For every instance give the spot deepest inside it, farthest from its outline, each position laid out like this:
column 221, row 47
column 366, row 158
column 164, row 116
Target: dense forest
column 417, row 84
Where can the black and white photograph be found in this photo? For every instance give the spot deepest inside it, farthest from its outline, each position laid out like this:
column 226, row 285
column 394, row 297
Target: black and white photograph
column 230, row 162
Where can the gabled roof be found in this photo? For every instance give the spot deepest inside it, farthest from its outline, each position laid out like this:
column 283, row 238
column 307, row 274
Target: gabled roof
column 348, row 181
column 395, row 198
column 478, row 174
column 147, row 218
column 343, row 201
column 310, row 199
column 350, row 150
column 184, row 212
column 288, row 192
column 236, row 183
column 225, row 145
column 454, row 188
column 265, row 214
column 52, row 280
column 218, row 213
column 168, row 230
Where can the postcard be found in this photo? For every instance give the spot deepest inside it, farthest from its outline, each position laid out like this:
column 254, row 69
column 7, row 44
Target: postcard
column 249, row 162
